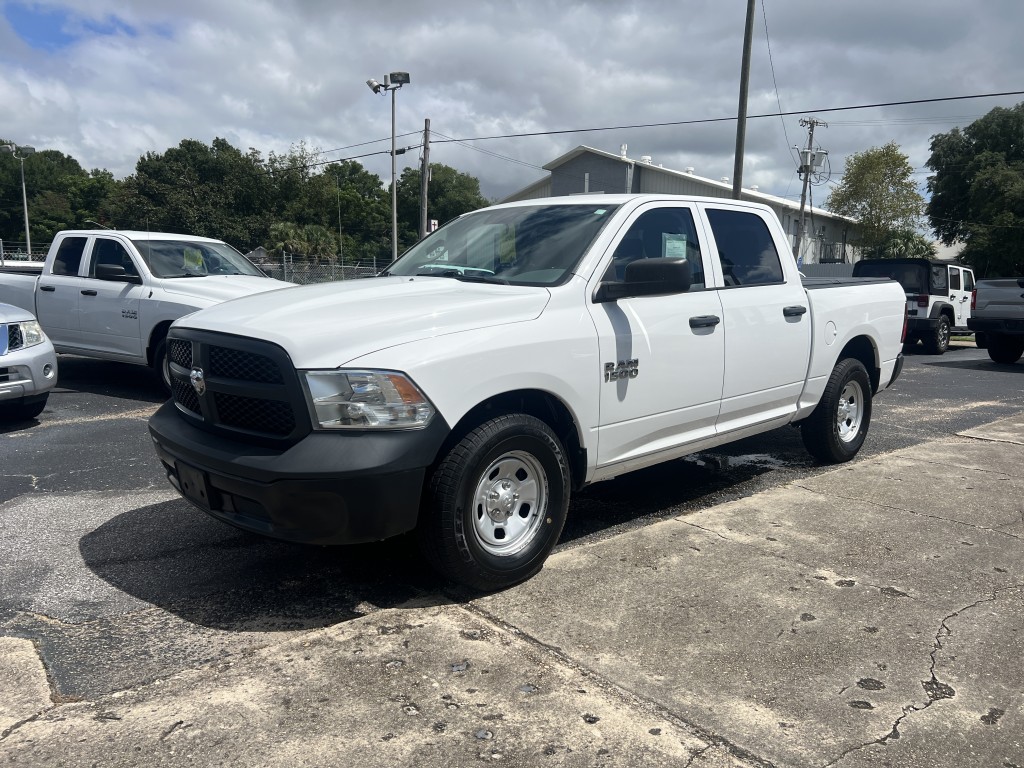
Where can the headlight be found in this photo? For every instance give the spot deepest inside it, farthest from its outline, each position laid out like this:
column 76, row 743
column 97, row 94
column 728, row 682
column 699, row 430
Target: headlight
column 31, row 333
column 365, row 400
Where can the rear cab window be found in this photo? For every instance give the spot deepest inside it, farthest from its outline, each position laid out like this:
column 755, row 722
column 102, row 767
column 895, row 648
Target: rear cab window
column 746, row 248
column 69, row 256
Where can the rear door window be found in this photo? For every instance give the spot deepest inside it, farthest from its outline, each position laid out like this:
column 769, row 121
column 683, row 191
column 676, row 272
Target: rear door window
column 69, row 256
column 745, row 247
column 954, row 279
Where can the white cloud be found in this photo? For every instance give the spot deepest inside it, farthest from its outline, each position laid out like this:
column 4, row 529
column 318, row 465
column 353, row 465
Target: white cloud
column 141, row 76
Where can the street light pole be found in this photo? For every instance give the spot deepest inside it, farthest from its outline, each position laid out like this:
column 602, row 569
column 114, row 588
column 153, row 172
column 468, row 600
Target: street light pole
column 392, row 82
column 25, row 151
column 394, row 185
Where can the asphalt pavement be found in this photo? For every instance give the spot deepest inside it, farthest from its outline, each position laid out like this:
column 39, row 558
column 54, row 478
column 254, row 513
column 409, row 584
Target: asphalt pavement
column 869, row 615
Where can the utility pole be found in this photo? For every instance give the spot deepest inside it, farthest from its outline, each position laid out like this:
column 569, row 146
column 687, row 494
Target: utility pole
column 424, row 178
column 741, row 115
column 810, row 161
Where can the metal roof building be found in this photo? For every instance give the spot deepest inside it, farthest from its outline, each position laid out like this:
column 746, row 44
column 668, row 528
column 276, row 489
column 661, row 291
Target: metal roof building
column 585, row 169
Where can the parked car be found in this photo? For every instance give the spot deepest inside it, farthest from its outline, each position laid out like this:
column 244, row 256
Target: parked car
column 113, row 294
column 518, row 353
column 997, row 312
column 28, row 365
column 938, row 297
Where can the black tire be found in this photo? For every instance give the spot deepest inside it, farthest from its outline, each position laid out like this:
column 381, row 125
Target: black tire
column 161, row 365
column 1005, row 350
column 500, row 462
column 23, row 411
column 937, row 342
column 836, row 429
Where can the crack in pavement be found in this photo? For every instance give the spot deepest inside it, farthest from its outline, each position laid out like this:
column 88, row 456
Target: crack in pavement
column 934, row 689
column 623, row 694
column 913, row 512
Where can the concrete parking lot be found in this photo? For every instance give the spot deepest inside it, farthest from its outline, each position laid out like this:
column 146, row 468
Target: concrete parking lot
column 870, row 614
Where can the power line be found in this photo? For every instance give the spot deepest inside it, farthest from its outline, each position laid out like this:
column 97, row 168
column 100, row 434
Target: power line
column 706, row 120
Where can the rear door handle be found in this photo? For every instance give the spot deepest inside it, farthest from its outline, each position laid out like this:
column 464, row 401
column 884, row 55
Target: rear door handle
column 705, row 321
column 88, row 292
column 47, row 288
column 794, row 311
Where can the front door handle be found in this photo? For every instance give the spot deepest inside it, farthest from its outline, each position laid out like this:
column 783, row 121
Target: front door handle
column 794, row 311
column 88, row 292
column 705, row 321
column 47, row 288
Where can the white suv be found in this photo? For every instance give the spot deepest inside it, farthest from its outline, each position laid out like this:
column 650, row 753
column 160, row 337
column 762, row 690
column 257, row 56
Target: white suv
column 938, row 297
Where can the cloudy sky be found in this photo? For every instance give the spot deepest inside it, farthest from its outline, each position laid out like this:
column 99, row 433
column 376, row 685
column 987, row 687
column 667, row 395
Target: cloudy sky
column 108, row 80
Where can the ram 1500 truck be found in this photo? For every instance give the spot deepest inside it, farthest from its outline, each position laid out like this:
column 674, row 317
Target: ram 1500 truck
column 112, row 294
column 520, row 352
column 28, row 365
column 997, row 311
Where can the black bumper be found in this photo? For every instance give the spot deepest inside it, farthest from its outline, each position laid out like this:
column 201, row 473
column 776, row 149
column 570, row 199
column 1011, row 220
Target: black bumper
column 328, row 488
column 1009, row 325
column 897, row 369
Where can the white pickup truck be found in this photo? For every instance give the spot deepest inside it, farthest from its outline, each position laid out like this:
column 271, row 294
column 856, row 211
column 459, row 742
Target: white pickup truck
column 113, row 294
column 518, row 353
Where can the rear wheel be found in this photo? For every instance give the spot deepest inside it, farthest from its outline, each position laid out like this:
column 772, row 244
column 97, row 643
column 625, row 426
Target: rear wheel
column 497, row 503
column 1005, row 349
column 836, row 429
column 937, row 341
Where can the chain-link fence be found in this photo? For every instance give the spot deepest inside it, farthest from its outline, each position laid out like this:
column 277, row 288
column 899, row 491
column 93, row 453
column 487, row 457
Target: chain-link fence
column 295, row 268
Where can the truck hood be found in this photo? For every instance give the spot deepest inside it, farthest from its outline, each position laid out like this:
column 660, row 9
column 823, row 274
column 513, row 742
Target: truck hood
column 327, row 325
column 217, row 288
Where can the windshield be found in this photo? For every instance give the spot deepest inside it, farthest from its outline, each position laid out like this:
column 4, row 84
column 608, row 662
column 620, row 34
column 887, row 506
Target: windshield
column 187, row 258
column 523, row 245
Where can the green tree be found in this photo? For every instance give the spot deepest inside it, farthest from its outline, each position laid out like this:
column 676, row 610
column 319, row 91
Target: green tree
column 451, row 193
column 878, row 190
column 907, row 244
column 977, row 192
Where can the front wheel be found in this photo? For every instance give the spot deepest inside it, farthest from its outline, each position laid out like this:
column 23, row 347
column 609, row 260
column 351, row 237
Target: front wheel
column 161, row 365
column 497, row 503
column 836, row 429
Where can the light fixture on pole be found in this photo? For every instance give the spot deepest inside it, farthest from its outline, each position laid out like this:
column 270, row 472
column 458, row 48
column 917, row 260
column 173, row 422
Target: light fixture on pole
column 20, row 153
column 392, row 82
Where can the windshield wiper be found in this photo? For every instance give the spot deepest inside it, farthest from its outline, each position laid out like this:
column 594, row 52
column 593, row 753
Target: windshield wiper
column 463, row 277
column 481, row 279
column 188, row 274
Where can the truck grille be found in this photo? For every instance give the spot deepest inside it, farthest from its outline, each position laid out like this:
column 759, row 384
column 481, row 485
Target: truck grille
column 236, row 386
column 14, row 338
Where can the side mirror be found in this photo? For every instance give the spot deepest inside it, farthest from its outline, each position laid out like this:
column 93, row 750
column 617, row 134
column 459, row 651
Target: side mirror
column 116, row 273
column 649, row 277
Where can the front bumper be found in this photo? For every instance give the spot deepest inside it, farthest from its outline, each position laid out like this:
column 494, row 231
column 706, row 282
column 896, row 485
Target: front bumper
column 328, row 488
column 27, row 375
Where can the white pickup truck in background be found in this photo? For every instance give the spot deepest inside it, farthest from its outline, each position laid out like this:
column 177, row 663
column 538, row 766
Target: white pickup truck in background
column 518, row 353
column 112, row 294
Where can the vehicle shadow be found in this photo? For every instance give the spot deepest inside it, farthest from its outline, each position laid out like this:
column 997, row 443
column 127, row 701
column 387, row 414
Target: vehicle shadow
column 108, row 378
column 177, row 558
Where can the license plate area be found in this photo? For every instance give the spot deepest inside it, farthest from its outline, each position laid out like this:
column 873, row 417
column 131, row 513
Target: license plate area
column 194, row 485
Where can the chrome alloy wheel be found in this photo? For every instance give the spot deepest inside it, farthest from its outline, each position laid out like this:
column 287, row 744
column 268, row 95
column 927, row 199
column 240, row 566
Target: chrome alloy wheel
column 509, row 503
column 850, row 412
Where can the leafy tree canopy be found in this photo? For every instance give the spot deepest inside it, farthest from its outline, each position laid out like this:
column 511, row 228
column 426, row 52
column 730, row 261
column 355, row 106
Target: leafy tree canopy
column 977, row 192
column 878, row 190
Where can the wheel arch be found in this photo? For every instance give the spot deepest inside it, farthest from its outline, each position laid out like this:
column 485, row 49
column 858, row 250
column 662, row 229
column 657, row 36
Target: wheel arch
column 864, row 349
column 539, row 404
column 158, row 334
